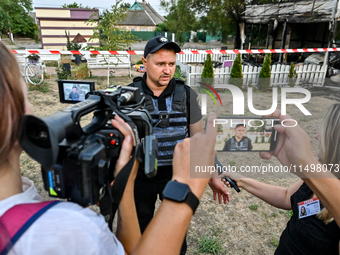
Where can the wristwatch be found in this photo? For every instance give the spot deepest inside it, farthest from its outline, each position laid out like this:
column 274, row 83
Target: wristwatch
column 180, row 192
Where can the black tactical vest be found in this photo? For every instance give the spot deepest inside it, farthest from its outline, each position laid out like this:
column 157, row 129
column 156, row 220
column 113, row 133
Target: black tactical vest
column 169, row 116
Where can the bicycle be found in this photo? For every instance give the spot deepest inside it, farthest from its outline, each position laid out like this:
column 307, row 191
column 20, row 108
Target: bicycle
column 32, row 71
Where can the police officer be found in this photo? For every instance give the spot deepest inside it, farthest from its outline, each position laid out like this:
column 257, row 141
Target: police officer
column 175, row 114
column 238, row 142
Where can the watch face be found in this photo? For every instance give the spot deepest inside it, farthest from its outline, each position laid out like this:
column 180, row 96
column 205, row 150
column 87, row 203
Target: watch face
column 176, row 191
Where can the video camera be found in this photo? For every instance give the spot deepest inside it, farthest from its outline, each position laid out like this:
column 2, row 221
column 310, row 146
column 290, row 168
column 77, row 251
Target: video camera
column 77, row 163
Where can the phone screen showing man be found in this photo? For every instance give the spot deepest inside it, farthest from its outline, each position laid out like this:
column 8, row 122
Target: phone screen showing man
column 251, row 134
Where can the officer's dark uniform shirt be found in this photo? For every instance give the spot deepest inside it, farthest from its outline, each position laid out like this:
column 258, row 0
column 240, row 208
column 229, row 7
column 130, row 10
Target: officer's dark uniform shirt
column 193, row 116
column 74, row 96
column 233, row 145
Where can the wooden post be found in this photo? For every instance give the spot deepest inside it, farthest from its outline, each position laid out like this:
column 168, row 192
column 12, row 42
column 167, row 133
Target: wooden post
column 283, row 40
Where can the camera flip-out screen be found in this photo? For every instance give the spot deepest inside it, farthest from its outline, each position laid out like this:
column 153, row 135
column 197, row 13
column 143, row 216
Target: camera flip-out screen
column 71, row 91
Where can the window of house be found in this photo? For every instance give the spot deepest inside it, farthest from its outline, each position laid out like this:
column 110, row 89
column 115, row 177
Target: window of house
column 143, row 29
column 132, row 29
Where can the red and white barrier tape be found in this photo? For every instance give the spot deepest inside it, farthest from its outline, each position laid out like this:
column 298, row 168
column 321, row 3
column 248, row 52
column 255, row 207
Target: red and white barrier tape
column 94, row 52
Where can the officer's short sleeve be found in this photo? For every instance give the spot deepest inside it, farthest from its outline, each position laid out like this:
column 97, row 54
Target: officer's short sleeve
column 194, row 110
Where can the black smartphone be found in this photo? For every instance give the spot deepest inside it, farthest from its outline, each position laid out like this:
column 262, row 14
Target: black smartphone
column 242, row 134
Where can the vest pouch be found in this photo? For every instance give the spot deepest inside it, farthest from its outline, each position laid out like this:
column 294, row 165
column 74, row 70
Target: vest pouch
column 163, row 119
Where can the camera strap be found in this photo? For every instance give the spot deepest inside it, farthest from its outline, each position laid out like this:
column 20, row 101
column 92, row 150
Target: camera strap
column 110, row 200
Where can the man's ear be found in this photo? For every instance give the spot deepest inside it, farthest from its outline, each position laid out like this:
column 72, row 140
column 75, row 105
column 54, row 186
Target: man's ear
column 145, row 62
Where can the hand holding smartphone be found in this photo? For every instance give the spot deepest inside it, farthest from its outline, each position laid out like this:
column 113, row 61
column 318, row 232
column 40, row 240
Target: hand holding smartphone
column 242, row 134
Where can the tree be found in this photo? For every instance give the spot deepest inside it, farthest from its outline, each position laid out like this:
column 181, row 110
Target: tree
column 107, row 31
column 236, row 76
column 181, row 17
column 75, row 5
column 216, row 16
column 14, row 18
column 292, row 75
column 161, row 27
column 265, row 73
column 208, row 71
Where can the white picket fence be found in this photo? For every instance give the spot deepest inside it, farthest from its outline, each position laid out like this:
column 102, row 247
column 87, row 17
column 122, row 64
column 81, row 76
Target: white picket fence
column 200, row 58
column 306, row 74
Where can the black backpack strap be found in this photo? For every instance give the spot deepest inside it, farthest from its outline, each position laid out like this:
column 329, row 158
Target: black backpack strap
column 179, row 100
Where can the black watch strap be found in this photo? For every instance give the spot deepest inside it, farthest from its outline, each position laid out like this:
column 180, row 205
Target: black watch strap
column 181, row 193
column 192, row 201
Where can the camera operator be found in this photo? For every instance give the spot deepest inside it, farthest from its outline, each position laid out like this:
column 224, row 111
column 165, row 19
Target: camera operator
column 316, row 231
column 176, row 115
column 67, row 228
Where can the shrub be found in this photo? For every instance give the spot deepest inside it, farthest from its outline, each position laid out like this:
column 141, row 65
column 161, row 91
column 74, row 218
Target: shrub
column 208, row 71
column 139, row 62
column 264, row 76
column 236, row 76
column 292, row 75
column 62, row 73
column 80, row 71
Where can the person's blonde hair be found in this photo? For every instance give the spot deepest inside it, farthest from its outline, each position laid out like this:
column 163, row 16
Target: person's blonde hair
column 12, row 102
column 329, row 137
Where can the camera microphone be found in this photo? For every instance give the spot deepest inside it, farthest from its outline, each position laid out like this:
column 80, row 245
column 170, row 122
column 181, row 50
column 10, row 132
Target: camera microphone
column 125, row 97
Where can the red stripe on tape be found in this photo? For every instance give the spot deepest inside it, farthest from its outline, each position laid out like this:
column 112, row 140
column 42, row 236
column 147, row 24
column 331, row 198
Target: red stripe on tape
column 209, row 51
column 284, row 50
column 249, row 51
column 75, row 52
column 236, row 51
column 295, row 50
column 131, row 52
column 55, row 51
column 195, row 52
column 261, row 51
column 113, row 52
column 95, row 52
column 223, row 51
column 315, row 49
column 33, row 51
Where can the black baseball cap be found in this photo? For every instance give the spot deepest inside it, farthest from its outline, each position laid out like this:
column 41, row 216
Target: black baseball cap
column 157, row 43
column 240, row 125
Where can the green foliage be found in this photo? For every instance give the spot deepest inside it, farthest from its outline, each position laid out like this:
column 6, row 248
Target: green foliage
column 181, row 17
column 254, row 207
column 219, row 128
column 14, row 18
column 75, row 5
column 262, row 141
column 256, row 139
column 275, row 242
column 139, row 62
column 161, row 27
column 292, row 75
column 111, row 36
column 210, row 245
column 236, row 76
column 208, row 71
column 80, row 71
column 71, row 45
column 178, row 73
column 289, row 214
column 264, row 76
column 232, row 163
column 62, row 73
column 41, row 87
